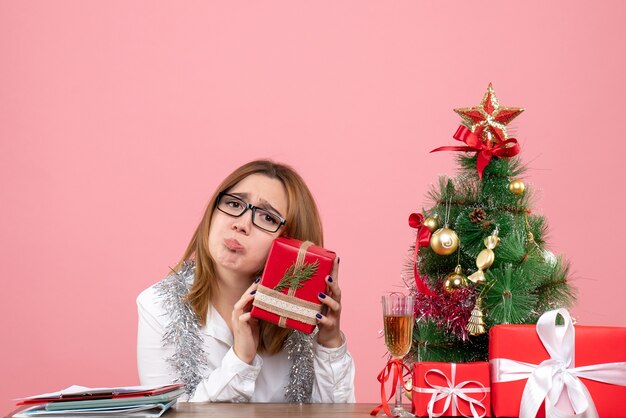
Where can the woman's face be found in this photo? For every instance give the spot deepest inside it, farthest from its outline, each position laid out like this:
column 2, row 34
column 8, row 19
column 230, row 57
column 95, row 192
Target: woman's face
column 235, row 243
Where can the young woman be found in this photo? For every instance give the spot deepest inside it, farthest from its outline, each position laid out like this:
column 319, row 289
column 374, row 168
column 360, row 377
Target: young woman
column 195, row 325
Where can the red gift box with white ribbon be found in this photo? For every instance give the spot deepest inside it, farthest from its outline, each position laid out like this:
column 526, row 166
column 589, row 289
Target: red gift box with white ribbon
column 294, row 275
column 451, row 389
column 557, row 370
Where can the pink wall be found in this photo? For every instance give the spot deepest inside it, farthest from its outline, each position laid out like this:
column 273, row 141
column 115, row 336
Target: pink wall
column 117, row 119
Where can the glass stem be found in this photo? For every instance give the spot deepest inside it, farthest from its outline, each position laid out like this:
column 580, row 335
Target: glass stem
column 399, row 390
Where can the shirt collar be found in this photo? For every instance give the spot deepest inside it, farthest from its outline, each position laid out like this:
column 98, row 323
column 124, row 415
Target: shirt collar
column 217, row 327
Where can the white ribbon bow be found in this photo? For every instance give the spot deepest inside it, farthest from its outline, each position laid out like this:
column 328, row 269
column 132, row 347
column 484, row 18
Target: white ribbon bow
column 452, row 394
column 547, row 380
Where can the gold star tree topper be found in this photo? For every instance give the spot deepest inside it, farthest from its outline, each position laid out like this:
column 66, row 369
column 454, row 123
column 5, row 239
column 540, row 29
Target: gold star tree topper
column 488, row 120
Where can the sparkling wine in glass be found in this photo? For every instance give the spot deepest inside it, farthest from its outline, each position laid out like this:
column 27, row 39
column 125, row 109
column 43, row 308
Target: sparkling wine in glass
column 398, row 316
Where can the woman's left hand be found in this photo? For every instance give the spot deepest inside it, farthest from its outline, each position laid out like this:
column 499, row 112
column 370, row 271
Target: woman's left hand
column 329, row 334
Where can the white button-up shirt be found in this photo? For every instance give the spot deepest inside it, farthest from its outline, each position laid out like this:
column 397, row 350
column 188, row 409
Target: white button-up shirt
column 229, row 379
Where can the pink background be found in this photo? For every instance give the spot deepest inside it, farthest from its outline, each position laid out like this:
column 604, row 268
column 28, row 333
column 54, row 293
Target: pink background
column 118, row 119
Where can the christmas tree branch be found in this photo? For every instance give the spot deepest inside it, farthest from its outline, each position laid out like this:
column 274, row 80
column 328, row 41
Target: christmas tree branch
column 294, row 278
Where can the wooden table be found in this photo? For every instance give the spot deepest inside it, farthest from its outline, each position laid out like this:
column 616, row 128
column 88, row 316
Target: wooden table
column 267, row 410
column 270, row 410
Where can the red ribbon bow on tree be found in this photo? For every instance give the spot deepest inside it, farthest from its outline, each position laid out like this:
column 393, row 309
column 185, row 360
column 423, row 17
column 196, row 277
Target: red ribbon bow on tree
column 416, row 221
column 485, row 151
column 395, row 370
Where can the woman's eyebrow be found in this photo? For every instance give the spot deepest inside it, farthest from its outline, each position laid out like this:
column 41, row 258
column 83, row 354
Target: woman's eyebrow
column 263, row 204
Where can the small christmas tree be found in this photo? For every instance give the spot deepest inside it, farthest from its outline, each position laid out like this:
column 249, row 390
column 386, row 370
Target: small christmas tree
column 480, row 259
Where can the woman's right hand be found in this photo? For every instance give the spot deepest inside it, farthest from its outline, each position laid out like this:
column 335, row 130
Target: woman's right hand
column 245, row 327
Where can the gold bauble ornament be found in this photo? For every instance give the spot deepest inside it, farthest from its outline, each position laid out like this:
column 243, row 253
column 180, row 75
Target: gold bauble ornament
column 444, row 241
column 432, row 223
column 454, row 281
column 517, row 187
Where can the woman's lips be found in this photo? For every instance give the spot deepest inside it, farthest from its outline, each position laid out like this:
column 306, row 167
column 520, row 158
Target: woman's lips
column 233, row 244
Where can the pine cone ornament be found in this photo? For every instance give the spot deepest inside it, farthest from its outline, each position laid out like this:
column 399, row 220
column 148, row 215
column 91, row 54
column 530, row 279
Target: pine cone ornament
column 477, row 216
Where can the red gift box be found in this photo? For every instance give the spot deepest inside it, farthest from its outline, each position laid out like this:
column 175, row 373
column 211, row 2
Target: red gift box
column 561, row 352
column 451, row 389
column 295, row 273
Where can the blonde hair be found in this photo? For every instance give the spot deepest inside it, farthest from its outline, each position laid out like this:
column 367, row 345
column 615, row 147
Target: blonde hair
column 303, row 223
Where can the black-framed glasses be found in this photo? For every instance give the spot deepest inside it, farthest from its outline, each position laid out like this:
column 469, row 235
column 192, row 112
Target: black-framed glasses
column 261, row 218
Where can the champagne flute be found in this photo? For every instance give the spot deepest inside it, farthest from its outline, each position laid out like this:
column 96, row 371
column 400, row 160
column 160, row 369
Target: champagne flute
column 398, row 311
